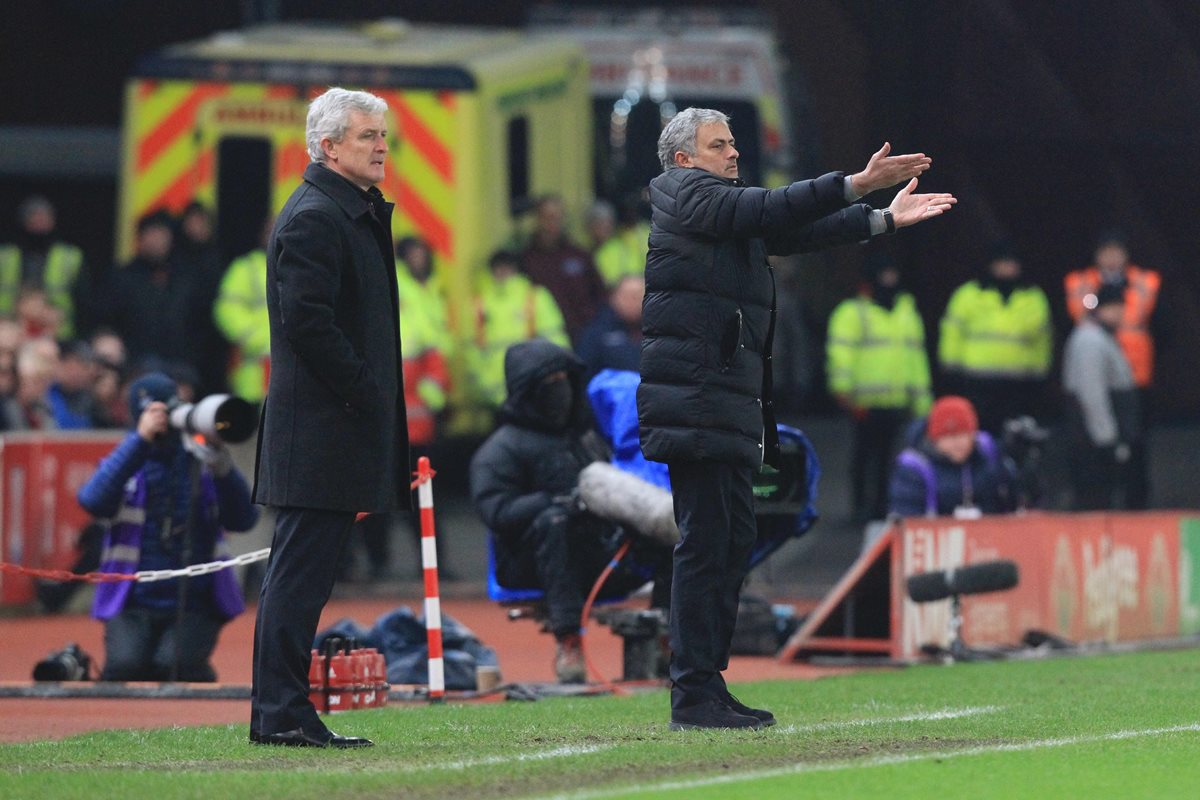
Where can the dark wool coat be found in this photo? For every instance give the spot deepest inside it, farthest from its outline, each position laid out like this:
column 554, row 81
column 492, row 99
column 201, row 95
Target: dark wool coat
column 333, row 434
column 709, row 314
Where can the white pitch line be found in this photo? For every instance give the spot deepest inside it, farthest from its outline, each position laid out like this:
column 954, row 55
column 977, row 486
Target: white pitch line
column 922, row 716
column 491, row 761
column 881, row 761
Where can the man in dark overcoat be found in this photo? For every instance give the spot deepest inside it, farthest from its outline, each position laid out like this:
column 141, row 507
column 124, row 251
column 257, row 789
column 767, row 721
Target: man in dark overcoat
column 704, row 403
column 333, row 439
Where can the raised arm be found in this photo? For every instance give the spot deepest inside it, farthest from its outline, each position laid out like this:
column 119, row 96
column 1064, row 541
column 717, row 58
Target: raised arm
column 707, row 205
column 884, row 170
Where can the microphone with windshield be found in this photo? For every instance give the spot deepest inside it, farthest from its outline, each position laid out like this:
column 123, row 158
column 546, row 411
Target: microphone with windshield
column 953, row 583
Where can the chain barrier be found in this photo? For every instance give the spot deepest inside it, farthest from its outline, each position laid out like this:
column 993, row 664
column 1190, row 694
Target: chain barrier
column 65, row 575
column 152, row 575
column 144, row 576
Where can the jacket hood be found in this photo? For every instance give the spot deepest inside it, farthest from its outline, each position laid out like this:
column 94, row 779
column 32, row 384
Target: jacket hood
column 525, row 364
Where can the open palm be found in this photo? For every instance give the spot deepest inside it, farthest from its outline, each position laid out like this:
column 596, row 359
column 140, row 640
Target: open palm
column 908, row 208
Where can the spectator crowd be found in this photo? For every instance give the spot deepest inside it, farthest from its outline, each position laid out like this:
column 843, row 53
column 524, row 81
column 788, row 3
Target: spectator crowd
column 994, row 361
column 74, row 335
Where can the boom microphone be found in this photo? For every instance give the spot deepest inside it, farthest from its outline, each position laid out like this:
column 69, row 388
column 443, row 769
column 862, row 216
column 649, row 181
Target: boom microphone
column 615, row 494
column 986, row 576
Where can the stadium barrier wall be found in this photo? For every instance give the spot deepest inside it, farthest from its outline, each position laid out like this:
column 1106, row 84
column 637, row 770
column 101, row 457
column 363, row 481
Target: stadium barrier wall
column 40, row 519
column 1088, row 578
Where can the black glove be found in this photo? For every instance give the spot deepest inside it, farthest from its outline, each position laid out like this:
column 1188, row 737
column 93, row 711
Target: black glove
column 571, row 503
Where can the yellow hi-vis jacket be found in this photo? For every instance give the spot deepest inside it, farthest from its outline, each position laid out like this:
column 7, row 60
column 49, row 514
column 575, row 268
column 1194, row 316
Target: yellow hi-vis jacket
column 623, row 254
column 875, row 357
column 240, row 312
column 507, row 313
column 63, row 264
column 983, row 336
column 424, row 328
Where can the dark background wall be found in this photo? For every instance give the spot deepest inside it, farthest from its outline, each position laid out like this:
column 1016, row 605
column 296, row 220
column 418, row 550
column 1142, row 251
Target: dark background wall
column 1050, row 121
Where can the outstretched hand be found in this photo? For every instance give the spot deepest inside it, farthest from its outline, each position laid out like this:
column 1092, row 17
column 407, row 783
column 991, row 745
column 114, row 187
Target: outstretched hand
column 883, row 170
column 909, row 209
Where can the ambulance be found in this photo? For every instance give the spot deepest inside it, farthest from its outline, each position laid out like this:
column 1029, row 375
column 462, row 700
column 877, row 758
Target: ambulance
column 483, row 122
column 649, row 63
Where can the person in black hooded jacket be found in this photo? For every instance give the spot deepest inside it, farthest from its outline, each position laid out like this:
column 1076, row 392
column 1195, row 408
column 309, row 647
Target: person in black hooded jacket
column 523, row 480
column 705, row 402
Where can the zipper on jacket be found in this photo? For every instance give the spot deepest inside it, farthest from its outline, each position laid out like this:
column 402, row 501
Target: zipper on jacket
column 731, row 340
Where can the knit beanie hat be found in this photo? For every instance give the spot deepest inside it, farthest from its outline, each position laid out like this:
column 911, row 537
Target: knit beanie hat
column 151, row 387
column 951, row 415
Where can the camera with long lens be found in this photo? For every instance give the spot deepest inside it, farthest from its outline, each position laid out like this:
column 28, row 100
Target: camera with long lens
column 224, row 417
column 68, row 664
column 1024, row 439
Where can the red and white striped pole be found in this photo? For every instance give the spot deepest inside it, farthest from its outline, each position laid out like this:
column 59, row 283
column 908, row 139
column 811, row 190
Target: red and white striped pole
column 433, row 602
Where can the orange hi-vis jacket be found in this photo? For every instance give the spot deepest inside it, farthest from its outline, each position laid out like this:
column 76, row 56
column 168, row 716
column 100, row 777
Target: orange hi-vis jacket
column 1141, row 295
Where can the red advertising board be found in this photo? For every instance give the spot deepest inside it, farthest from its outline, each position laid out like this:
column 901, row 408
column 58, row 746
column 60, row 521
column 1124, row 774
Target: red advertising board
column 40, row 519
column 1087, row 578
column 1084, row 577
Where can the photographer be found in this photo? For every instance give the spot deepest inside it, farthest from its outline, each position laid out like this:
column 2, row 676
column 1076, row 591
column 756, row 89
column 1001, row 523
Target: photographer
column 166, row 501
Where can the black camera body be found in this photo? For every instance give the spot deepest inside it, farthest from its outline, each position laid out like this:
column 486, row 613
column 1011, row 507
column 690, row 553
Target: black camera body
column 68, row 664
column 1024, row 439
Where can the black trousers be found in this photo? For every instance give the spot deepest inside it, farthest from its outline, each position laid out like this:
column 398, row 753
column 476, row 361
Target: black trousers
column 714, row 508
column 1137, row 469
column 299, row 579
column 140, row 645
column 874, row 450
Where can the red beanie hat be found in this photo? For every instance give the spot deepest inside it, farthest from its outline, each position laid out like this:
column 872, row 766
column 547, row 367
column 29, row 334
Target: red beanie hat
column 950, row 415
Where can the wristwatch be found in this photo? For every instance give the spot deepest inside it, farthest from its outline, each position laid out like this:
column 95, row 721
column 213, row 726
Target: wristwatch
column 888, row 220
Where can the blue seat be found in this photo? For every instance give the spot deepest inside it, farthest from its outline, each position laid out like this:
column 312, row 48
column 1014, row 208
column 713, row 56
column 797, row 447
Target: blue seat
column 504, row 594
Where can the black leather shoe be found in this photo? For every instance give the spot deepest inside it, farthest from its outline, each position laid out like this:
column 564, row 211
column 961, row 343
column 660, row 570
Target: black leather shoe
column 711, row 714
column 255, row 737
column 350, row 741
column 760, row 714
column 298, row 738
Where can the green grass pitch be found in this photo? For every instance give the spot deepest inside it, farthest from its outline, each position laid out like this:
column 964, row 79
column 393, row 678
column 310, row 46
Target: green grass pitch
column 1114, row 726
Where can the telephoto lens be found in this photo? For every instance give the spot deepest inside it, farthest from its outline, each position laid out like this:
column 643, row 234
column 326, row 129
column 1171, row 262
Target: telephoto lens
column 220, row 416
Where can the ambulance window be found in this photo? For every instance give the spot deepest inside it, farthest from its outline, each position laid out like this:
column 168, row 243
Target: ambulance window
column 243, row 193
column 626, row 137
column 518, row 165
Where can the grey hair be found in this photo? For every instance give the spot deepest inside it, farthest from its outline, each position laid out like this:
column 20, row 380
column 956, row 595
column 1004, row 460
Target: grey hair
column 329, row 117
column 680, row 133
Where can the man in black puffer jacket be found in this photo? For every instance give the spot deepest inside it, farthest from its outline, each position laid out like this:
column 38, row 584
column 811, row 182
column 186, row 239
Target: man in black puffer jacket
column 704, row 404
column 523, row 481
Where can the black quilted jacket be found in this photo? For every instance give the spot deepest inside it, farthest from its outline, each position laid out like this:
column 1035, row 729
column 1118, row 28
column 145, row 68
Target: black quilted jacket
column 709, row 314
